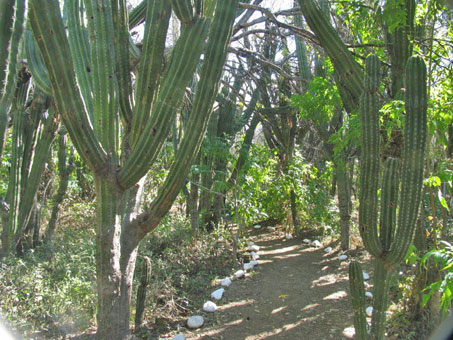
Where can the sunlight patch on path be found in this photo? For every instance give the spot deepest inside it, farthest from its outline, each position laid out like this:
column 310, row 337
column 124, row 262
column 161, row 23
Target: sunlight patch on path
column 278, row 251
column 337, row 295
column 236, row 304
column 324, row 281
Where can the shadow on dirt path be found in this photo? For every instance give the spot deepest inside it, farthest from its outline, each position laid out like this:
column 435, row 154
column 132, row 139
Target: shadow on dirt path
column 297, row 292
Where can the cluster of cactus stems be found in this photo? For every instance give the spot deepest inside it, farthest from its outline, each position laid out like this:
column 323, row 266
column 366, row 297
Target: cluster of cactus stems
column 389, row 240
column 84, row 59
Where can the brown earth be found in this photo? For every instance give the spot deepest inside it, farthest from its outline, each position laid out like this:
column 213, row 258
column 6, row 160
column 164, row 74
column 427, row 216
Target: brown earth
column 297, row 292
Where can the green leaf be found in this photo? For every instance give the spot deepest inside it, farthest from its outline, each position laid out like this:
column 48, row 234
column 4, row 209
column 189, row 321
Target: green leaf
column 442, row 200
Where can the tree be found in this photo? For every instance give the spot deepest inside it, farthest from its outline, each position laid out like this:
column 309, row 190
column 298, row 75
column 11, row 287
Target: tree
column 118, row 132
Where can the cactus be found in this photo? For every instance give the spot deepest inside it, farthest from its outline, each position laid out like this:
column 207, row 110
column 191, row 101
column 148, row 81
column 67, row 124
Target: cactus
column 391, row 242
column 89, row 68
column 141, row 292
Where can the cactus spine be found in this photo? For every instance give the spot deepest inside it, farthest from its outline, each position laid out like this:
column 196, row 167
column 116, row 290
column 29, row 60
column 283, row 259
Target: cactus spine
column 392, row 242
column 141, row 292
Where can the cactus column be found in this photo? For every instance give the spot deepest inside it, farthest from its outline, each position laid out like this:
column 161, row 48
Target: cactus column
column 390, row 242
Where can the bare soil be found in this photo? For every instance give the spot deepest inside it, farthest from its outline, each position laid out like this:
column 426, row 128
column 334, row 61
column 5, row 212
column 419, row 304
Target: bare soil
column 296, row 292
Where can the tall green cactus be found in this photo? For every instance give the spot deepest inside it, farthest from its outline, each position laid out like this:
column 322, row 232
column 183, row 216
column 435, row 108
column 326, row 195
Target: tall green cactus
column 119, row 133
column 390, row 241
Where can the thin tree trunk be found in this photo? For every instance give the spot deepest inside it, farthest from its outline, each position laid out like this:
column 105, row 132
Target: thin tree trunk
column 343, row 205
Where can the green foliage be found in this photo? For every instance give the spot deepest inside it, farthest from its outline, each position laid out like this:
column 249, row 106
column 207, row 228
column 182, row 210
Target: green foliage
column 320, row 101
column 54, row 292
column 265, row 190
column 391, row 117
column 443, row 259
column 394, row 14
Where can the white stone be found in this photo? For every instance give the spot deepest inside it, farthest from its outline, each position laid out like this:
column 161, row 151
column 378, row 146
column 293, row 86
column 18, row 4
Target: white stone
column 369, row 311
column 289, row 236
column 254, row 255
column 366, row 276
column 271, row 228
column 209, row 306
column 180, row 336
column 306, row 240
column 254, row 263
column 253, row 247
column 195, row 321
column 327, row 249
column 247, row 266
column 240, row 273
column 257, row 226
column 316, row 243
column 342, row 257
column 226, row 282
column 217, row 294
column 369, row 294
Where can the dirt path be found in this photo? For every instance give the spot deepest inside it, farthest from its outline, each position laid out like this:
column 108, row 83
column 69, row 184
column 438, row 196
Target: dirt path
column 297, row 292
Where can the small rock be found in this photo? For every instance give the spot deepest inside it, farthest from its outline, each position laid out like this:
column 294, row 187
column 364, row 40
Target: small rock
column 327, row 249
column 369, row 311
column 316, row 243
column 369, row 294
column 253, row 247
column 342, row 257
column 254, row 255
column 195, row 321
column 289, row 237
column 254, row 263
column 247, row 266
column 209, row 306
column 217, row 294
column 240, row 273
column 366, row 276
column 257, row 226
column 180, row 336
column 226, row 282
column 306, row 240
column 271, row 228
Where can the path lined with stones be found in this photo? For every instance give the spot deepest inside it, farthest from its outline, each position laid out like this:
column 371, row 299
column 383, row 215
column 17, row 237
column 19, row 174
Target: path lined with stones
column 293, row 290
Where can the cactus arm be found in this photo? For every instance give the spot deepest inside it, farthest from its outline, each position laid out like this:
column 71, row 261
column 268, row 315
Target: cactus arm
column 389, row 200
column 12, row 42
column 80, row 50
column 183, row 62
column 369, row 158
column 35, row 64
column 158, row 14
column 101, row 35
column 7, row 92
column 123, row 68
column 6, row 22
column 357, row 291
column 41, row 156
column 414, row 150
column 207, row 88
column 183, row 10
column 348, row 73
column 138, row 14
column 49, row 33
column 301, row 50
